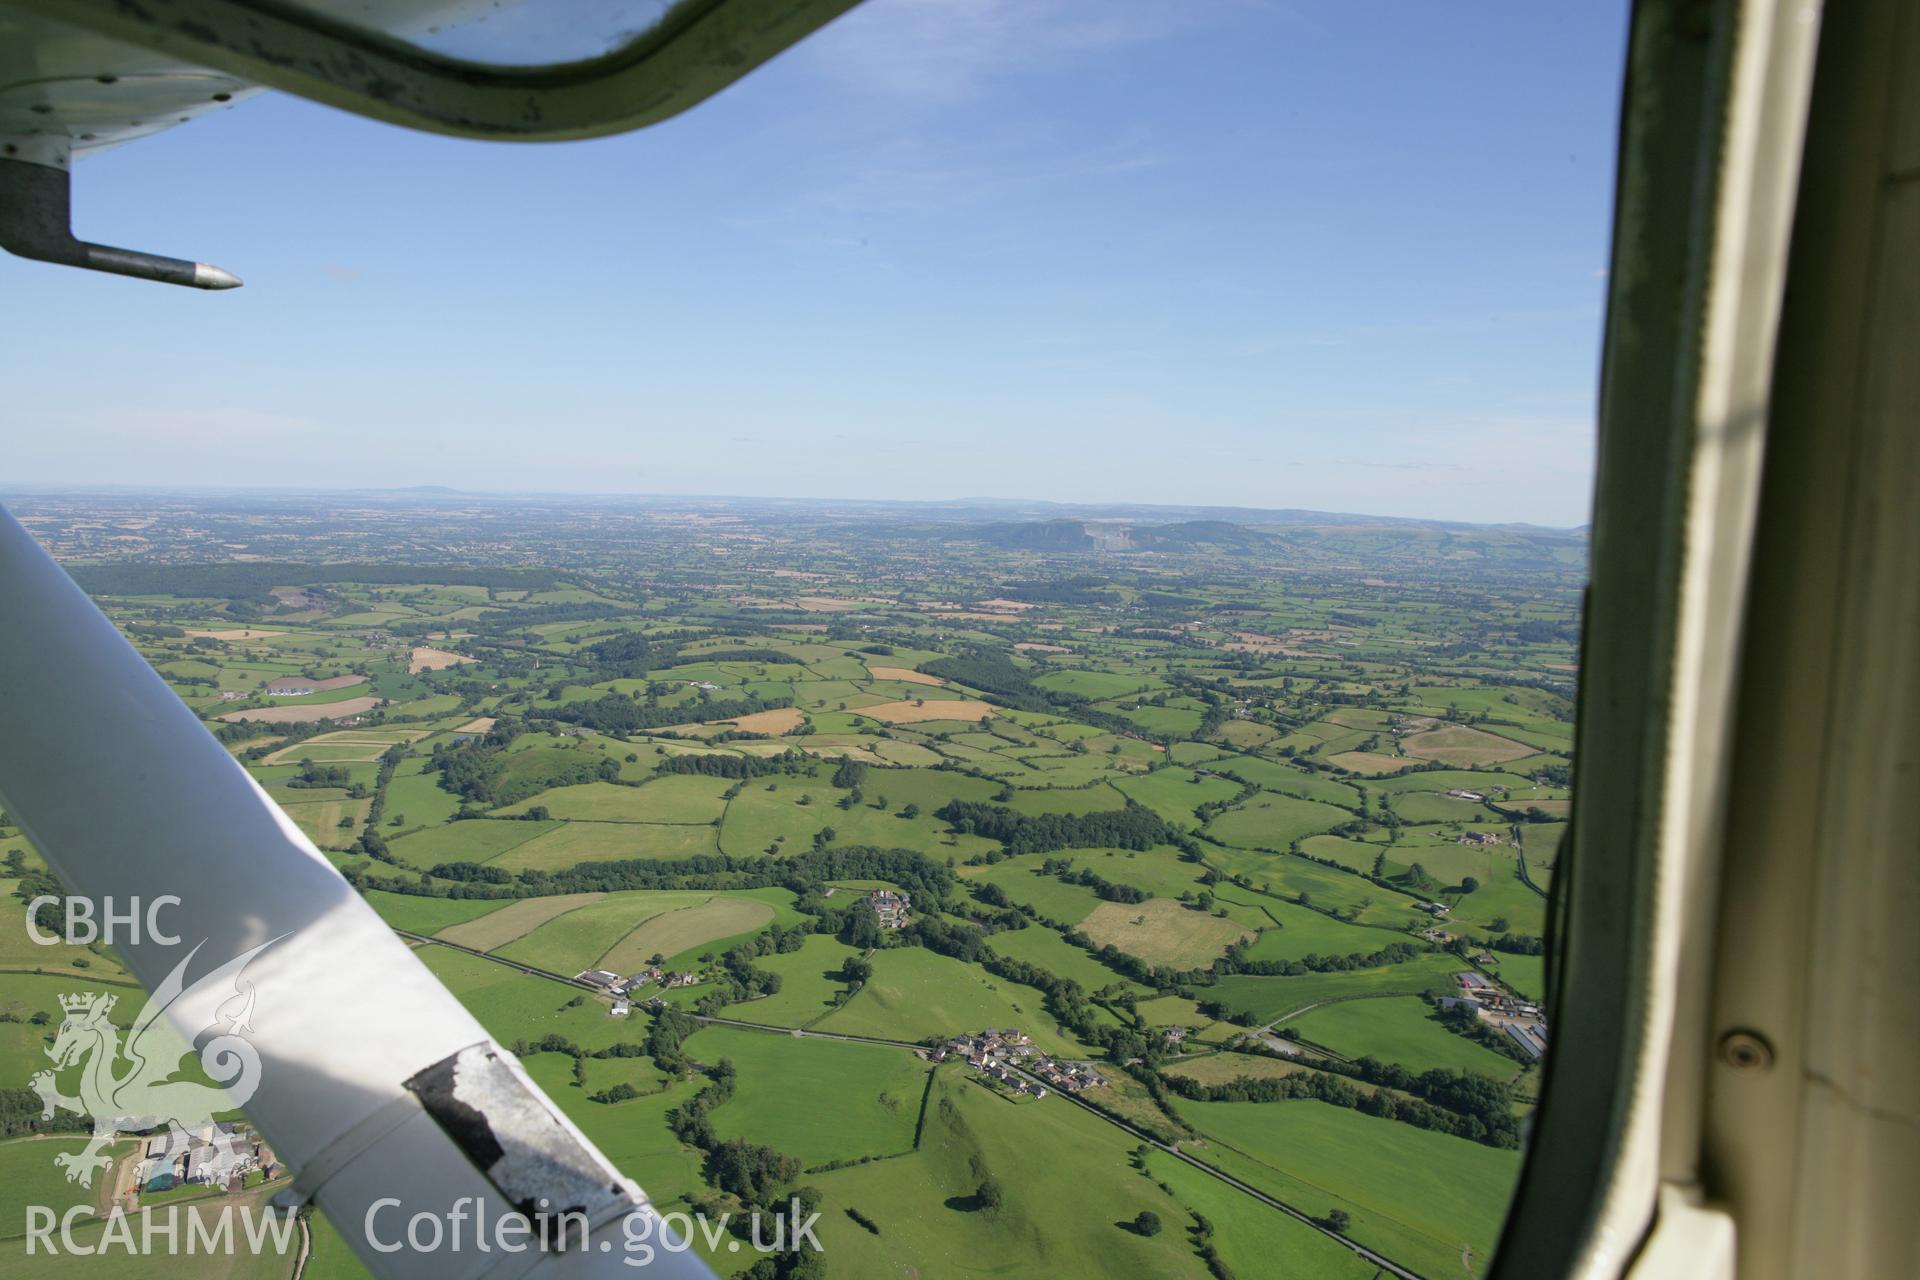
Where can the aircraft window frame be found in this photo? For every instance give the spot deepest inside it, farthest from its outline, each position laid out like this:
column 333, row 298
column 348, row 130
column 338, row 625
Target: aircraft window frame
column 1713, row 113
column 1586, row 1191
column 698, row 48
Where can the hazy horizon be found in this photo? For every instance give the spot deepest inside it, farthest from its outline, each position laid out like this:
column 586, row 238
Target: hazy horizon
column 942, row 246
column 1093, row 511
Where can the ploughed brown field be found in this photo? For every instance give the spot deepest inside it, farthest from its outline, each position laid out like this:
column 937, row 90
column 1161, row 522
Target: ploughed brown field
column 904, row 673
column 308, row 714
column 425, row 659
column 931, row 709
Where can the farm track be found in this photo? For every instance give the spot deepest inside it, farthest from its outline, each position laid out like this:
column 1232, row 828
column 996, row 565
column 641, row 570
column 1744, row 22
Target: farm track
column 1520, row 856
column 1359, row 1250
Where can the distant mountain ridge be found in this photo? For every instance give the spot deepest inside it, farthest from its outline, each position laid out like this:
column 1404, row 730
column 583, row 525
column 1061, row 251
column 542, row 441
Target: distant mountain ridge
column 1211, row 522
column 1081, row 535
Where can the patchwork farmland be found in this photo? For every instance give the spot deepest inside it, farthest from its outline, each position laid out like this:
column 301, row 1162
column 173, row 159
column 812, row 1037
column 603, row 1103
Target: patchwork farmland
column 1241, row 820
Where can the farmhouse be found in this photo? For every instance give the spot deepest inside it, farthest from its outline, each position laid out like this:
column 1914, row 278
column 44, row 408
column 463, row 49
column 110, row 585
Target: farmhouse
column 891, row 907
column 641, row 979
column 598, row 978
column 1459, row 794
column 289, row 687
column 1480, row 837
column 199, row 1155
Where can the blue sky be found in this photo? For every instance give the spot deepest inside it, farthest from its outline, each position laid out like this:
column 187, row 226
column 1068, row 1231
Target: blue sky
column 1337, row 256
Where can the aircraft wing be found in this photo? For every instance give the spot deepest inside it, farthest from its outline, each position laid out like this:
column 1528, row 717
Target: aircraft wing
column 77, row 76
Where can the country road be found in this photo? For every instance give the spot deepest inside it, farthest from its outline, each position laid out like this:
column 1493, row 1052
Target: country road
column 1365, row 1254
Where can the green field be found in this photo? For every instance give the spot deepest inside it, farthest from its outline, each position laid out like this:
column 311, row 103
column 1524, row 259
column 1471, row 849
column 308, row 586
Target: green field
column 1525, row 974
column 573, row 843
column 1419, row 1197
column 475, row 840
column 1162, row 931
column 816, row 1100
column 809, row 979
column 580, row 938
column 1398, row 1029
column 417, row 799
column 429, row 915
column 688, row 928
column 332, row 1258
column 672, row 799
column 1253, row 1239
column 1025, row 883
column 29, row 1176
column 105, row 1261
column 1263, row 678
column 914, row 994
column 513, row 1006
column 1268, row 998
column 1040, row 945
column 1067, row 1185
column 1274, row 822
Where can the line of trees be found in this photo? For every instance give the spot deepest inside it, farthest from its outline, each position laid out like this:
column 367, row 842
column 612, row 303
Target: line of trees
column 1133, row 827
column 1457, row 1102
column 1235, row 960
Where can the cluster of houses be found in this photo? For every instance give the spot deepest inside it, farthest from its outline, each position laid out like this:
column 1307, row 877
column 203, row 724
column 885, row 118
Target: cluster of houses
column 1522, row 1021
column 890, row 906
column 210, row 1155
column 1005, row 1055
column 622, row 989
